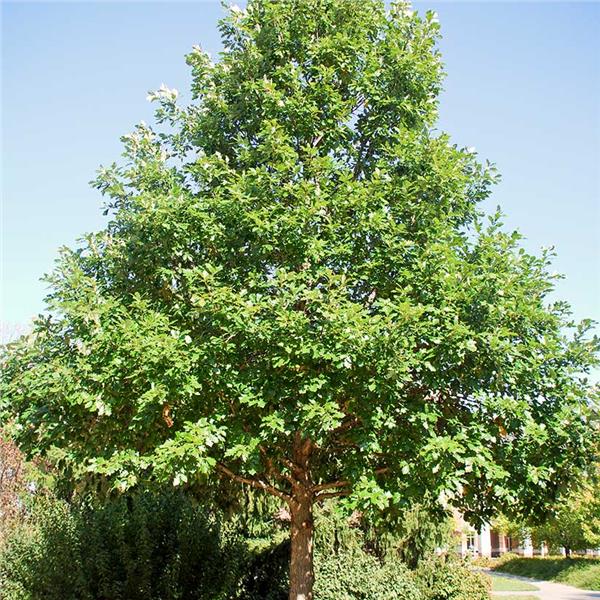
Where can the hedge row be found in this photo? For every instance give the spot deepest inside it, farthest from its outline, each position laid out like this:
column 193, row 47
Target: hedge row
column 167, row 548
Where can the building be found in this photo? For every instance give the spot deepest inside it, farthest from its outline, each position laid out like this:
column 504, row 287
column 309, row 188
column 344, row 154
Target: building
column 489, row 542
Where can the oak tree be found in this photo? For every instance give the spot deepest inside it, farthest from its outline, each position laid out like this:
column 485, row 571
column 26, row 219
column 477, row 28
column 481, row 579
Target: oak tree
column 297, row 290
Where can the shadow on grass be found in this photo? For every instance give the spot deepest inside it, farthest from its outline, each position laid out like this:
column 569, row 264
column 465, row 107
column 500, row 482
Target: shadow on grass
column 579, row 572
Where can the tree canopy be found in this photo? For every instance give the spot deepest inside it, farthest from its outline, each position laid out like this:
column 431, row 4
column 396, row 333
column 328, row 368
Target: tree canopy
column 297, row 289
column 574, row 524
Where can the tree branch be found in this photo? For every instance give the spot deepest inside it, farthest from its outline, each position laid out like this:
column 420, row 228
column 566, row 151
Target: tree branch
column 256, row 483
column 332, row 485
column 272, row 469
column 317, row 140
column 349, row 422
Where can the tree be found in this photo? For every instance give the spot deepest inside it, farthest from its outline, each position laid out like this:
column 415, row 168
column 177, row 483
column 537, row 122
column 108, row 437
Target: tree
column 574, row 522
column 297, row 291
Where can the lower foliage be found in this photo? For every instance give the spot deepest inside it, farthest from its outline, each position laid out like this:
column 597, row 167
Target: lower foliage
column 166, row 547
column 360, row 576
column 448, row 578
column 143, row 548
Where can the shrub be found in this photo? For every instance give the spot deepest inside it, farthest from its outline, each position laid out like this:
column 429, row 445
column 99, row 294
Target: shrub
column 418, row 533
column 360, row 576
column 579, row 572
column 482, row 562
column 266, row 576
column 164, row 547
column 41, row 559
column 343, row 570
column 142, row 548
column 505, row 558
column 445, row 578
column 345, row 575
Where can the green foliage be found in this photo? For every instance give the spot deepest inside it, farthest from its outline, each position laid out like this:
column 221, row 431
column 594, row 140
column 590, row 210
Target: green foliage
column 417, row 533
column 337, row 531
column 517, row 529
column 266, row 573
column 347, row 574
column 164, row 547
column 504, row 558
column 408, row 535
column 146, row 547
column 579, row 572
column 297, row 257
column 575, row 522
column 360, row 576
column 43, row 561
column 347, row 568
column 343, row 575
column 448, row 578
column 481, row 561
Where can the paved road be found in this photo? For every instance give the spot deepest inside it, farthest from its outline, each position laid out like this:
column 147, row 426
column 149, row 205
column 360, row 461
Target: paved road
column 548, row 590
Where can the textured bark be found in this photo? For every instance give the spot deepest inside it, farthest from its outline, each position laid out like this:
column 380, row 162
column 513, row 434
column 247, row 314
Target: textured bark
column 302, row 575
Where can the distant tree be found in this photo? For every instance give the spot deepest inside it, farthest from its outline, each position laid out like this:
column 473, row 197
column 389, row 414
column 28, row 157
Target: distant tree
column 516, row 529
column 297, row 291
column 574, row 523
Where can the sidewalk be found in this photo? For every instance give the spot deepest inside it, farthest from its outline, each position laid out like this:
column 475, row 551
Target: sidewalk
column 548, row 590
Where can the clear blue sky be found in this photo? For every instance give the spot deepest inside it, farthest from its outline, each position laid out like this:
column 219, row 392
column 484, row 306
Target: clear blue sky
column 523, row 87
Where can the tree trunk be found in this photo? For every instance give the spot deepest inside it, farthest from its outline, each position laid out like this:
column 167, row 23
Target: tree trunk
column 302, row 576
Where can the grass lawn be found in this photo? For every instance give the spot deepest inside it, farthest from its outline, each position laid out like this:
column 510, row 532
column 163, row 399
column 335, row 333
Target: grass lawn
column 580, row 572
column 504, row 584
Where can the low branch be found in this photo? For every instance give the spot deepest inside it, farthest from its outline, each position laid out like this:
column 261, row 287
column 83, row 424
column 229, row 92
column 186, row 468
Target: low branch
column 339, row 484
column 331, row 485
column 256, row 483
column 348, row 423
column 273, row 470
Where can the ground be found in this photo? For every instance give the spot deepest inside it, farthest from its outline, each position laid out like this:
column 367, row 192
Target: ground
column 506, row 586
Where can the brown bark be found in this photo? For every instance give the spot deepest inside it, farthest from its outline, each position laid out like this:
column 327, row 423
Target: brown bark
column 303, row 496
column 302, row 576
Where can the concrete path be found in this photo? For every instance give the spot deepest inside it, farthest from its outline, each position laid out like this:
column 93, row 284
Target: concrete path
column 548, row 590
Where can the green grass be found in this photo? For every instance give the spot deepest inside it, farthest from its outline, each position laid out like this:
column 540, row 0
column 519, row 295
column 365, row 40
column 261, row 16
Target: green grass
column 580, row 572
column 504, row 584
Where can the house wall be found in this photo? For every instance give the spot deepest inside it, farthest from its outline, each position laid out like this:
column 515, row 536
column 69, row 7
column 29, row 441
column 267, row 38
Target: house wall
column 488, row 542
column 491, row 543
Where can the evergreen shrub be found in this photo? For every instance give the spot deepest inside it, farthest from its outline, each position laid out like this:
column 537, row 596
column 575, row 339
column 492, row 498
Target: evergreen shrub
column 148, row 547
column 449, row 578
column 166, row 547
column 360, row 576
